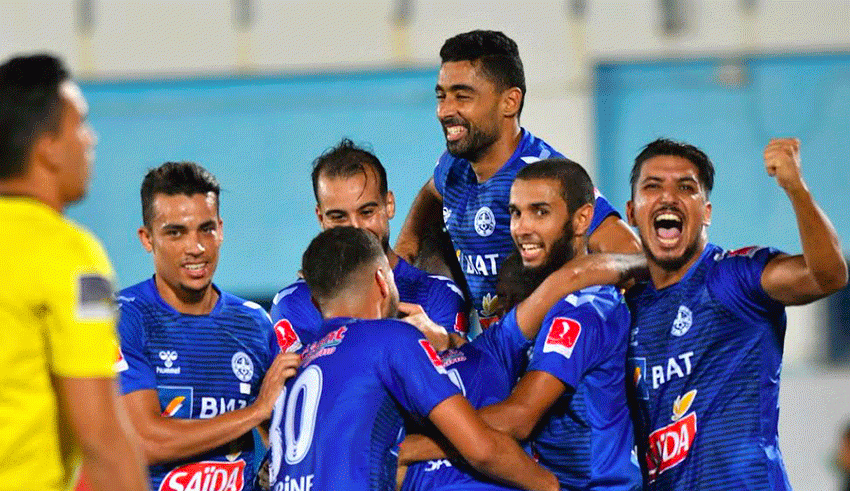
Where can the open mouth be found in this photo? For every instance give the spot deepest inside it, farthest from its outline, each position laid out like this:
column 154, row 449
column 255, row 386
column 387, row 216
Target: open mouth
column 196, row 270
column 668, row 228
column 531, row 252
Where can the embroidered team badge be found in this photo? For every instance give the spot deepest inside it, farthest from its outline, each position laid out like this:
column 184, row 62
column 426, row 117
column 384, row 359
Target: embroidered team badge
column 682, row 322
column 432, row 356
column 485, row 222
column 562, row 336
column 287, row 338
column 242, row 366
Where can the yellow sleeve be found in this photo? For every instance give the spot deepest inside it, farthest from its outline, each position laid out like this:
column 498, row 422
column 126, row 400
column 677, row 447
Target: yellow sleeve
column 81, row 331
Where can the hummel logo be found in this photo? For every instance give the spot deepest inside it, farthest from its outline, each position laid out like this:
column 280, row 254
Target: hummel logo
column 168, row 357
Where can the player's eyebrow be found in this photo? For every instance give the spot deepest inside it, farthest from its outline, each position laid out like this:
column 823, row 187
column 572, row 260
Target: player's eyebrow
column 207, row 224
column 540, row 204
column 370, row 204
column 455, row 88
column 173, row 226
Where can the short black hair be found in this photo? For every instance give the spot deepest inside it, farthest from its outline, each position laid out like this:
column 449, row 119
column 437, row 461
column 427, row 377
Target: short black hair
column 664, row 146
column 332, row 257
column 346, row 160
column 496, row 55
column 576, row 186
column 30, row 105
column 173, row 178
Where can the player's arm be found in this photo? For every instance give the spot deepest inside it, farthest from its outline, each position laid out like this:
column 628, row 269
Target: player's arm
column 821, row 269
column 167, row 439
column 614, row 235
column 533, row 395
column 425, row 213
column 99, row 422
column 492, row 453
column 578, row 273
column 436, row 334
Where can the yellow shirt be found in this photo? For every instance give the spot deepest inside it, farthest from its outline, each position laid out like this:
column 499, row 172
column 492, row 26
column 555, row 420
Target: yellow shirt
column 56, row 319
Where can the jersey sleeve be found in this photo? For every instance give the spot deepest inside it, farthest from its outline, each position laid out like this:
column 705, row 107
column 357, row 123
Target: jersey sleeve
column 414, row 373
column 81, row 329
column 737, row 282
column 602, row 209
column 134, row 367
column 505, row 342
column 446, row 305
column 568, row 343
column 441, row 172
column 294, row 317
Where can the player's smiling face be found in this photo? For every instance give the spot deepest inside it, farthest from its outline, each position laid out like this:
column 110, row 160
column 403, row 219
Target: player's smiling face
column 468, row 109
column 185, row 238
column 671, row 210
column 355, row 201
column 539, row 216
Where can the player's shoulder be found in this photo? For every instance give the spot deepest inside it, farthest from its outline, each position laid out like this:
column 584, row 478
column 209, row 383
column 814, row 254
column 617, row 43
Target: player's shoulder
column 294, row 292
column 436, row 285
column 533, row 148
column 231, row 303
column 137, row 297
column 596, row 301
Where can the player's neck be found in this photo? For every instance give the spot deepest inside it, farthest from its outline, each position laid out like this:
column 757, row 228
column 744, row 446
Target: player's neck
column 662, row 278
column 392, row 257
column 188, row 302
column 497, row 155
column 354, row 304
column 34, row 187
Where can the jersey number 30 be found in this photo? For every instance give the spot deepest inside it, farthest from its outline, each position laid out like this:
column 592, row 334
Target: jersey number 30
column 306, row 390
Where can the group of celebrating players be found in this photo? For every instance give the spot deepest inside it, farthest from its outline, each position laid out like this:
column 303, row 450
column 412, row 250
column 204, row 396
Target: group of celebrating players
column 364, row 375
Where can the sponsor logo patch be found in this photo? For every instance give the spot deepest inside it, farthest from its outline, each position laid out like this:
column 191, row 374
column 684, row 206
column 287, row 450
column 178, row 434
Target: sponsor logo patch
column 287, row 338
column 120, row 361
column 562, row 337
column 669, row 446
column 175, row 402
column 206, row 476
column 432, row 355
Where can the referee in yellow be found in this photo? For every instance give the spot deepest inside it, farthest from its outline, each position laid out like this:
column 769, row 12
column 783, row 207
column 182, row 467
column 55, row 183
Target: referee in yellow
column 58, row 399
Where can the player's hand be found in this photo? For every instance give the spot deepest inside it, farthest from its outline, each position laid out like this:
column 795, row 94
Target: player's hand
column 782, row 161
column 283, row 367
column 407, row 249
column 415, row 316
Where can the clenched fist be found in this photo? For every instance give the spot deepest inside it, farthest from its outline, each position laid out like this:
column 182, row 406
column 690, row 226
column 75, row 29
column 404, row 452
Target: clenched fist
column 782, row 160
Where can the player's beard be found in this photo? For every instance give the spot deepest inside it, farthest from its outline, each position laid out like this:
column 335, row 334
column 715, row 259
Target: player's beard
column 676, row 263
column 474, row 144
column 517, row 282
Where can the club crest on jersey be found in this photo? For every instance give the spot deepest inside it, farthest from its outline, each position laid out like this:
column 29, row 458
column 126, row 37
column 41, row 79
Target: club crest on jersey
column 669, row 446
column 562, row 336
column 206, row 476
column 242, row 366
column 432, row 356
column 682, row 322
column 168, row 358
column 287, row 338
column 485, row 222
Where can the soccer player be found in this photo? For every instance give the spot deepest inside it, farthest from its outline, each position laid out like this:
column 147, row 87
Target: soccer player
column 480, row 94
column 197, row 366
column 570, row 405
column 708, row 327
column 350, row 185
column 335, row 424
column 58, row 399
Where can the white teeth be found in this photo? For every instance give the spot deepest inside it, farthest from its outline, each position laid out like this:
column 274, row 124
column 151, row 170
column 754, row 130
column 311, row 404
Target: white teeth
column 454, row 130
column 667, row 216
column 194, row 267
column 530, row 247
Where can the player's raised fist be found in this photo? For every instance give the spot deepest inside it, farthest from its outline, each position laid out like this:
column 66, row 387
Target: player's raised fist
column 782, row 161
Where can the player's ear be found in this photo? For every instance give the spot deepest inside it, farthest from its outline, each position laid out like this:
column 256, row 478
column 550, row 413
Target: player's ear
column 220, row 229
column 145, row 238
column 382, row 282
column 511, row 101
column 581, row 219
column 390, row 204
column 319, row 216
column 630, row 213
column 707, row 217
column 46, row 150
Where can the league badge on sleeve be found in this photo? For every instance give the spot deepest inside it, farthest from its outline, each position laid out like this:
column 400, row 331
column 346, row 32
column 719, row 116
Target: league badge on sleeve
column 120, row 362
column 562, row 336
column 287, row 338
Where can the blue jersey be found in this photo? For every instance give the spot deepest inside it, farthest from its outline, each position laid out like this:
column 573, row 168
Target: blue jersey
column 586, row 438
column 201, row 366
column 336, row 421
column 476, row 216
column 485, row 370
column 297, row 320
column 705, row 357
